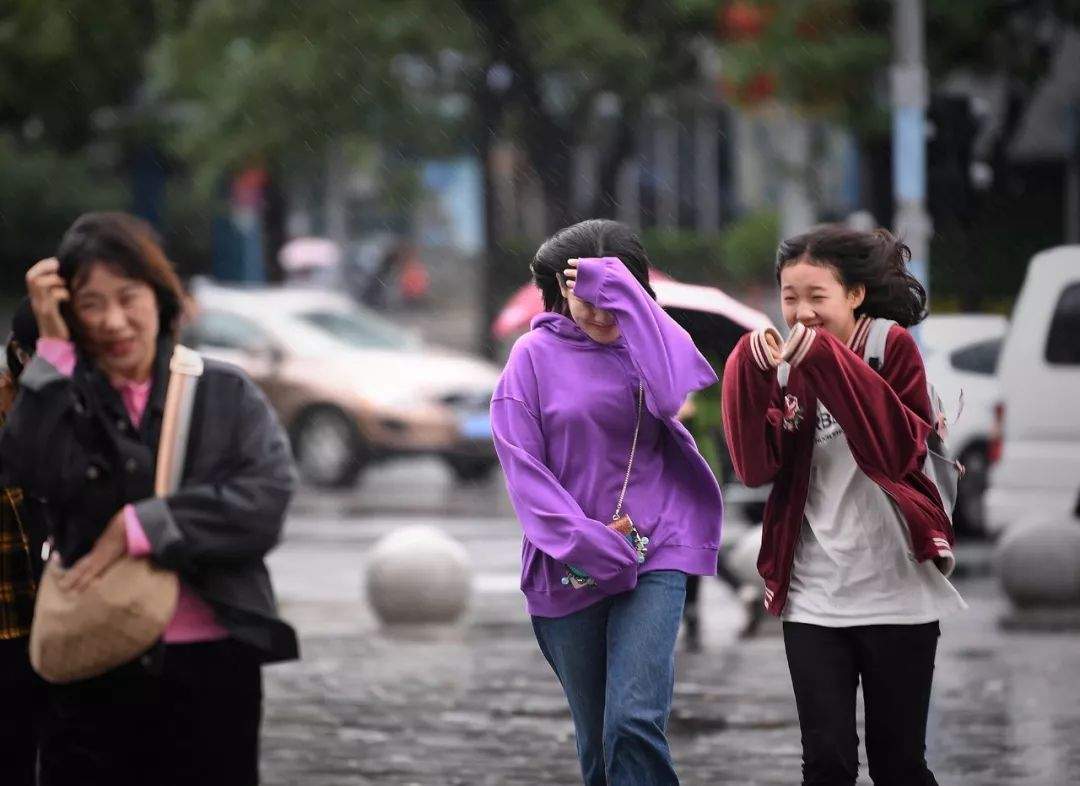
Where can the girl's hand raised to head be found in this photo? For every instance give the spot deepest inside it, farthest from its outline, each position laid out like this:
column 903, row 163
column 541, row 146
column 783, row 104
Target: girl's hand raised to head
column 47, row 291
column 570, row 273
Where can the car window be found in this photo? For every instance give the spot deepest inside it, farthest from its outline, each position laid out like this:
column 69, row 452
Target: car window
column 978, row 358
column 1063, row 343
column 222, row 330
column 359, row 329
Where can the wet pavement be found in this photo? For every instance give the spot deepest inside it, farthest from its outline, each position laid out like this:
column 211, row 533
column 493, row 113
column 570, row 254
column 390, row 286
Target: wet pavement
column 477, row 704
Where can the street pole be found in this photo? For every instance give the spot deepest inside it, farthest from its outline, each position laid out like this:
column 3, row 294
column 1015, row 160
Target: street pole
column 1072, row 175
column 909, row 99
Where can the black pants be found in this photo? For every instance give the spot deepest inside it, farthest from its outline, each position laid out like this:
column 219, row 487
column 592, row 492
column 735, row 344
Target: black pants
column 22, row 708
column 189, row 716
column 896, row 666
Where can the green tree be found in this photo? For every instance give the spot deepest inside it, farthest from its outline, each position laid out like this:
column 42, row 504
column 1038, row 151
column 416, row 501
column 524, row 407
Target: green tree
column 830, row 59
column 72, row 112
column 269, row 80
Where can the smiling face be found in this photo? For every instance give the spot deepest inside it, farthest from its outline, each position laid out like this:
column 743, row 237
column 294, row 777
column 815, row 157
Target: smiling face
column 813, row 294
column 598, row 324
column 119, row 321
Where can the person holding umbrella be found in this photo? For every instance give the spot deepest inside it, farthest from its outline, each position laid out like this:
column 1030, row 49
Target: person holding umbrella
column 82, row 438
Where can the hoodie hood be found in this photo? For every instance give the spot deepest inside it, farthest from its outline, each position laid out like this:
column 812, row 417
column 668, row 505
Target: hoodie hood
column 568, row 330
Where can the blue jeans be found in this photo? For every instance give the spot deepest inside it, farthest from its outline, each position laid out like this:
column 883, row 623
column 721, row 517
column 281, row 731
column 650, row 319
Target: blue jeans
column 616, row 662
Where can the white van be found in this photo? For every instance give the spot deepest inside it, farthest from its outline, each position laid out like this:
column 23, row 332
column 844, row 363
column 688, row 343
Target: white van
column 1036, row 473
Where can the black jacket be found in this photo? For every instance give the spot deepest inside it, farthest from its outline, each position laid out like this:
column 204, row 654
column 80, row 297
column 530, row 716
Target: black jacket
column 70, row 443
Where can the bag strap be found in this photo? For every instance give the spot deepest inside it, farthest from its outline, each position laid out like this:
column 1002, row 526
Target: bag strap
column 874, row 351
column 185, row 368
column 633, row 450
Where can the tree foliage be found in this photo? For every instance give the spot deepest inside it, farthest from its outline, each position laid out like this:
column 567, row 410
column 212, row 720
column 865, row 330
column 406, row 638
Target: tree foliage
column 281, row 80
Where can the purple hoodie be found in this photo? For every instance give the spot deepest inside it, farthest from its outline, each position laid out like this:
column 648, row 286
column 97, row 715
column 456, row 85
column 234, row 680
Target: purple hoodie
column 563, row 418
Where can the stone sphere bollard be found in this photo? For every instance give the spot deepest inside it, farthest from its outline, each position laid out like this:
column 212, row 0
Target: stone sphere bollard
column 418, row 574
column 742, row 560
column 1039, row 564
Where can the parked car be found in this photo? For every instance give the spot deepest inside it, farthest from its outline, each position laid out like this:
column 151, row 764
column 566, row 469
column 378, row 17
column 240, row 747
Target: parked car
column 961, row 354
column 1036, row 473
column 350, row 386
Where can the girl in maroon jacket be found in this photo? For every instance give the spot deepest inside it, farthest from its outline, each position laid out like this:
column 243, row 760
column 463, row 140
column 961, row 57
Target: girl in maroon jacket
column 856, row 545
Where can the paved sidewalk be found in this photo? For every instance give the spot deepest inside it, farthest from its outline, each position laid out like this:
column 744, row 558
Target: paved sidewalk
column 477, row 704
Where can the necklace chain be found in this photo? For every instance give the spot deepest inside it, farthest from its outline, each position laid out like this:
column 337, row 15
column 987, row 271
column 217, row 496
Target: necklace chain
column 633, row 450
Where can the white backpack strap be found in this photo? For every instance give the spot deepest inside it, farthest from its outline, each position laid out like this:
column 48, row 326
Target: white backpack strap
column 874, row 351
column 783, row 371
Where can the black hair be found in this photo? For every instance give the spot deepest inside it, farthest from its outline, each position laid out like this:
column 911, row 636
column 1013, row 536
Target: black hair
column 597, row 237
column 24, row 336
column 876, row 259
column 133, row 247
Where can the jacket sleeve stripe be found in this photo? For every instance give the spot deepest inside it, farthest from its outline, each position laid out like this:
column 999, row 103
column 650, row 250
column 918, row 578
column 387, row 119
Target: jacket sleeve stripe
column 858, row 336
column 798, row 345
column 755, row 350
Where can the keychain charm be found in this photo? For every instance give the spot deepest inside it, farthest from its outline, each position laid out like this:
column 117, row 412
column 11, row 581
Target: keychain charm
column 624, row 525
column 578, row 579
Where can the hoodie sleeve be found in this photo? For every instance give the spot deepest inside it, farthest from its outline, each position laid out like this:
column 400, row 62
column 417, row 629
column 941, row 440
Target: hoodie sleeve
column 752, row 409
column 662, row 352
column 551, row 518
column 884, row 418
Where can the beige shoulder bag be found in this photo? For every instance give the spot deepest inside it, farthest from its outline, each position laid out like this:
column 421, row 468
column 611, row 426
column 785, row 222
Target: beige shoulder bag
column 79, row 635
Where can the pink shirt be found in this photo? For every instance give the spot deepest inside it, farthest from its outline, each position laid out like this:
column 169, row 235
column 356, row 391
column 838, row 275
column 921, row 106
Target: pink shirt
column 194, row 619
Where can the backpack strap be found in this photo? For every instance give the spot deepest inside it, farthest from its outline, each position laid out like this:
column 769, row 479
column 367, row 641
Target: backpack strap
column 874, row 351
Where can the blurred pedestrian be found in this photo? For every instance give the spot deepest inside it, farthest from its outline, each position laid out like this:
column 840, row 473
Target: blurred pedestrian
column 584, row 420
column 702, row 415
column 856, row 545
column 83, row 438
column 22, row 693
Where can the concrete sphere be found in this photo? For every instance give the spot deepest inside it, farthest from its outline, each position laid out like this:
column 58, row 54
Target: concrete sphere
column 1039, row 564
column 742, row 559
column 418, row 574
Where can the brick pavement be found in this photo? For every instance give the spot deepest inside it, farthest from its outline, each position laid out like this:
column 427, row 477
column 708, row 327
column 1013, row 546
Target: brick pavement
column 478, row 705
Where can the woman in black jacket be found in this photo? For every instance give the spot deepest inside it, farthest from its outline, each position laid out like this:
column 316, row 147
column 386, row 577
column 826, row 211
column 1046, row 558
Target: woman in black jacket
column 82, row 438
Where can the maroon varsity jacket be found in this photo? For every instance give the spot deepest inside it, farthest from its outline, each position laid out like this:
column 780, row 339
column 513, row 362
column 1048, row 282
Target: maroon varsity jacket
column 886, row 418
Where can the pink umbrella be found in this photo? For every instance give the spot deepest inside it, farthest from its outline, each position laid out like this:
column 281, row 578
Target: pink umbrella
column 519, row 310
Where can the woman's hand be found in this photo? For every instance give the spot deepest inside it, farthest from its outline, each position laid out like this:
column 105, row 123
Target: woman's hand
column 111, row 546
column 570, row 273
column 47, row 291
column 7, row 393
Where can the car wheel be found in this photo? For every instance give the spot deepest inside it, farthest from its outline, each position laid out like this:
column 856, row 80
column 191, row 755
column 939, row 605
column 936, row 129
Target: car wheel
column 329, row 451
column 469, row 469
column 969, row 516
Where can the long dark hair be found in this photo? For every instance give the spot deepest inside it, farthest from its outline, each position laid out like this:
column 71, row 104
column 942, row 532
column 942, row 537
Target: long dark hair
column 133, row 247
column 597, row 237
column 875, row 259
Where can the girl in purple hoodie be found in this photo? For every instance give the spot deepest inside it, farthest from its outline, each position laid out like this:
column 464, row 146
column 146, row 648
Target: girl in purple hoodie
column 590, row 392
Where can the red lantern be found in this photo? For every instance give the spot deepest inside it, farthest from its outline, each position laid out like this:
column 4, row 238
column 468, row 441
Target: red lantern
column 741, row 21
column 759, row 87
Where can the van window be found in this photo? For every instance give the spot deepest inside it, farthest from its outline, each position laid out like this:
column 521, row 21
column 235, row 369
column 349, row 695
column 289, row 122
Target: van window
column 1063, row 343
column 978, row 358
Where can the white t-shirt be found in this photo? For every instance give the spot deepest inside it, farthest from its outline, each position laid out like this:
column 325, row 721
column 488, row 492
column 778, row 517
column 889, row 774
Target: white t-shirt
column 854, row 563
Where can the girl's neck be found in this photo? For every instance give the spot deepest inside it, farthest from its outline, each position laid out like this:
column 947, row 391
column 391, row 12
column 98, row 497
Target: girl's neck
column 849, row 330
